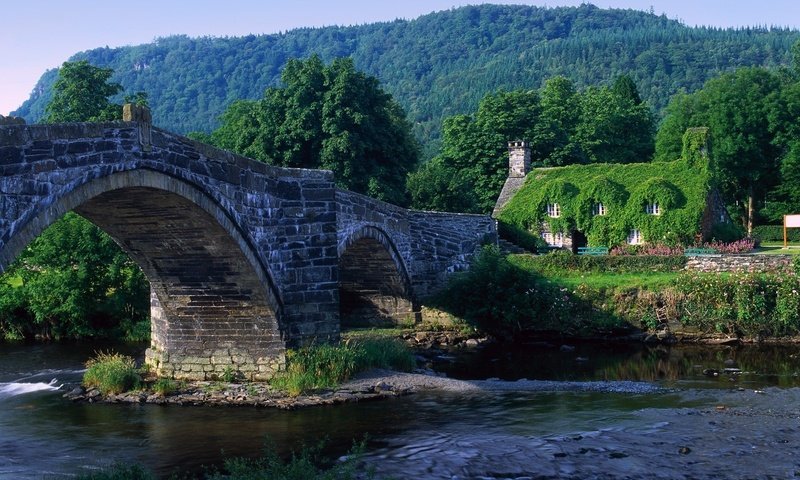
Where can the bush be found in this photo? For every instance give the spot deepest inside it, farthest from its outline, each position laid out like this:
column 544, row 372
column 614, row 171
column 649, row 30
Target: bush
column 774, row 233
column 727, row 232
column 111, row 373
column 502, row 299
column 742, row 303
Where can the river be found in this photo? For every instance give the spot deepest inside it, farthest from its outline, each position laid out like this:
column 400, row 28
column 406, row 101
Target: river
column 700, row 422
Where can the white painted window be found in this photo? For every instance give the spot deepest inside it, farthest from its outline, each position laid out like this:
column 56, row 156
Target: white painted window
column 553, row 239
column 652, row 209
column 599, row 209
column 635, row 237
column 553, row 210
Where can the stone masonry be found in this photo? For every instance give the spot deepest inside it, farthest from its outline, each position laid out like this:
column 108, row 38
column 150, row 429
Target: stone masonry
column 244, row 259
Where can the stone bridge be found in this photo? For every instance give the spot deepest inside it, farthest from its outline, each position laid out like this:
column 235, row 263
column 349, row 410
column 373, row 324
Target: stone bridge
column 244, row 259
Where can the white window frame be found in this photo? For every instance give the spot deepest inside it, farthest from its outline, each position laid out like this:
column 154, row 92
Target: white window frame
column 553, row 210
column 652, row 209
column 553, row 239
column 635, row 237
column 598, row 209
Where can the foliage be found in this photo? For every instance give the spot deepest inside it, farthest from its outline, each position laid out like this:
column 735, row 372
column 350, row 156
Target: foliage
column 438, row 186
column 497, row 297
column 331, row 117
column 563, row 263
column 80, row 94
column 774, row 233
column 562, row 126
column 326, row 366
column 742, row 303
column 74, row 282
column 440, row 64
column 624, row 190
column 745, row 114
column 111, row 373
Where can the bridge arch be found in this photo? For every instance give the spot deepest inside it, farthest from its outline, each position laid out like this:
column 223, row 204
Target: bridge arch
column 374, row 284
column 214, row 303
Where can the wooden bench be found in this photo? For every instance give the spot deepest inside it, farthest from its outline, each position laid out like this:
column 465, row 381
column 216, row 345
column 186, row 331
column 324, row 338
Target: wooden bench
column 592, row 250
column 699, row 252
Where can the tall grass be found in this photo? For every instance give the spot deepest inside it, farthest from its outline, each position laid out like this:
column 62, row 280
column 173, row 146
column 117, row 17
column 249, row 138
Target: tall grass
column 111, row 373
column 326, row 366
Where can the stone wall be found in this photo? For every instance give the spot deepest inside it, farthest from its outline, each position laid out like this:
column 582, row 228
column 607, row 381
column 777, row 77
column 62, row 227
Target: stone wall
column 738, row 263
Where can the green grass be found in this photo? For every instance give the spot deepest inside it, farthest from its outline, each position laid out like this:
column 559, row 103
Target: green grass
column 15, row 281
column 326, row 366
column 617, row 281
column 111, row 373
column 776, row 248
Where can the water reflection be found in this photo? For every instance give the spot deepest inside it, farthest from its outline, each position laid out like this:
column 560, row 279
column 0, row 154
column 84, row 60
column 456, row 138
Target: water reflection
column 684, row 365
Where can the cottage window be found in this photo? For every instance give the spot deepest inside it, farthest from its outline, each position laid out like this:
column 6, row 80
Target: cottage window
column 635, row 237
column 553, row 239
column 599, row 209
column 553, row 210
column 652, row 209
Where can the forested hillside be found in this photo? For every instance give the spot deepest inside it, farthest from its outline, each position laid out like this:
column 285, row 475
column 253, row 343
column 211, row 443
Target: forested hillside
column 439, row 64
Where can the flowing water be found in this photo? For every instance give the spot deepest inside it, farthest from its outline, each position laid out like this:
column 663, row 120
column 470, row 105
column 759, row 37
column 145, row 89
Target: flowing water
column 702, row 422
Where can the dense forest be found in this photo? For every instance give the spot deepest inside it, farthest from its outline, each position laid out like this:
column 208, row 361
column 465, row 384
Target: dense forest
column 437, row 65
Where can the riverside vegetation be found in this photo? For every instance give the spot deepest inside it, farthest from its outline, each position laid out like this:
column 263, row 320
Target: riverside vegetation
column 308, row 369
column 617, row 295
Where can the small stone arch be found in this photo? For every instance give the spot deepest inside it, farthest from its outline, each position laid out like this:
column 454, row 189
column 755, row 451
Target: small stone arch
column 214, row 304
column 374, row 284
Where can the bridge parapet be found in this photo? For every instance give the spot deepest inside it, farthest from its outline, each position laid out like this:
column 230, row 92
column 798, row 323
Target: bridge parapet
column 430, row 245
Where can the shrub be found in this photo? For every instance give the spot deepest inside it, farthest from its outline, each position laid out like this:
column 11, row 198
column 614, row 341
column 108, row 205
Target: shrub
column 111, row 373
column 382, row 352
column 774, row 233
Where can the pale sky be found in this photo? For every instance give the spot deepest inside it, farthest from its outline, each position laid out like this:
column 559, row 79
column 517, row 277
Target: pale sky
column 41, row 34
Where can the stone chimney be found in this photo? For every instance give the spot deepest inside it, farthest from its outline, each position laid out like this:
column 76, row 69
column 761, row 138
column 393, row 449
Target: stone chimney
column 519, row 158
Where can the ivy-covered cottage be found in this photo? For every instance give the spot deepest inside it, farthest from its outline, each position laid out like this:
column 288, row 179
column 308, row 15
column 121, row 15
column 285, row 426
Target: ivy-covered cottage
column 612, row 204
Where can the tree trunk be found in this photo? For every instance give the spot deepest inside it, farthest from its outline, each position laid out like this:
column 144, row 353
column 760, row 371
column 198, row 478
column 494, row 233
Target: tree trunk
column 750, row 212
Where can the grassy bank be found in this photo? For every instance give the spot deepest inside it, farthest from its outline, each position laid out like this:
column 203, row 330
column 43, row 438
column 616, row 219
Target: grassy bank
column 586, row 296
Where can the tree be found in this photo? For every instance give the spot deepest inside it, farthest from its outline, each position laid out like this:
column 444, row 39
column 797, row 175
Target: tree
column 327, row 116
column 554, row 135
column 563, row 126
column 81, row 95
column 744, row 113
